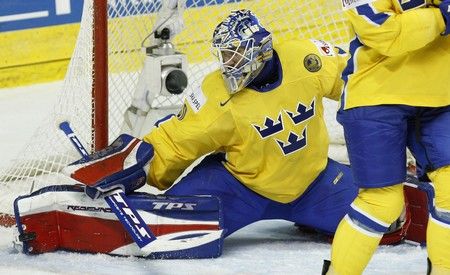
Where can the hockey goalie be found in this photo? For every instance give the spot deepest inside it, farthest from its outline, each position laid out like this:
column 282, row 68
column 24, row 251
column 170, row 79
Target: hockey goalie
column 76, row 218
column 259, row 121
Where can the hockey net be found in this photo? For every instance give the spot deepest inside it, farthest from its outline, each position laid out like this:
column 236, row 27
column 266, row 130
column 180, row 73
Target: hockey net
column 129, row 22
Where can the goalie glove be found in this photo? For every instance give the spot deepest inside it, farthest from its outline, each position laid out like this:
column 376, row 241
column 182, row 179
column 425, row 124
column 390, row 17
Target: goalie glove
column 122, row 165
column 444, row 6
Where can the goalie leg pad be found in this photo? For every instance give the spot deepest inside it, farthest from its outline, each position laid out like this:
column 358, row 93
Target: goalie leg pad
column 416, row 196
column 63, row 218
column 412, row 224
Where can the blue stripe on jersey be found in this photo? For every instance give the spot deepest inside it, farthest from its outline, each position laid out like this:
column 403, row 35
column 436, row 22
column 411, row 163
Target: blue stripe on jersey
column 367, row 11
column 164, row 119
column 365, row 222
column 340, row 51
column 350, row 68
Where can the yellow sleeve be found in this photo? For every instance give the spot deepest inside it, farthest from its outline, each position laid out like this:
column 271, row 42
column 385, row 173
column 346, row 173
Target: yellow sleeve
column 392, row 33
column 338, row 65
column 182, row 139
column 333, row 61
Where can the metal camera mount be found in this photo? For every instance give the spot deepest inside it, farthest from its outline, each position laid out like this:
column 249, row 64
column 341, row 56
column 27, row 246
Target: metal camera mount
column 166, row 68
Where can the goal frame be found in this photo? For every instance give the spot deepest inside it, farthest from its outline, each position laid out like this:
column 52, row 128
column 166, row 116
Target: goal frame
column 100, row 76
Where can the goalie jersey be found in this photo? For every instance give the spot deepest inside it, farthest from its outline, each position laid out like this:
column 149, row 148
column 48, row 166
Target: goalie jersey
column 275, row 142
column 397, row 59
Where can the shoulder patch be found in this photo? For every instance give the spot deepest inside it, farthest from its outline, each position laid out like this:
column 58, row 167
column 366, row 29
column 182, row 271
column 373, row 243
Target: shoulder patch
column 312, row 62
column 324, row 48
column 196, row 100
column 350, row 4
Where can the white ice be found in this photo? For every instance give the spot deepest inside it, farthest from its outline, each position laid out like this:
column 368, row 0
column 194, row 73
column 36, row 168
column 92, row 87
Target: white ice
column 267, row 247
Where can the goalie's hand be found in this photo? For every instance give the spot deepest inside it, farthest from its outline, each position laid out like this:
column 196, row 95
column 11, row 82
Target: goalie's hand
column 445, row 10
column 122, row 165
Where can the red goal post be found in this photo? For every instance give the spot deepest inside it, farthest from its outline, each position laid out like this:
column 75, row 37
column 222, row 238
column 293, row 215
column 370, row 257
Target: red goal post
column 100, row 75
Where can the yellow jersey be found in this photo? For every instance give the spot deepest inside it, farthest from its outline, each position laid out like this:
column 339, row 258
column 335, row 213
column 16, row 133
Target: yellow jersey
column 275, row 142
column 397, row 56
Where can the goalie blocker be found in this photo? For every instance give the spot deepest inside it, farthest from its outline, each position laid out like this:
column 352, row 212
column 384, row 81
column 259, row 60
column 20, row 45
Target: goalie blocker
column 62, row 217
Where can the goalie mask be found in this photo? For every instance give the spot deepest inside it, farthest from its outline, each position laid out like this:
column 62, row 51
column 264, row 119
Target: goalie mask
column 242, row 46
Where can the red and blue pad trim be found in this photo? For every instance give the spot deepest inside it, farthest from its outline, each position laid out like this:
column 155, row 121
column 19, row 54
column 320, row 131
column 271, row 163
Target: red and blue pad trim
column 62, row 217
column 120, row 165
column 124, row 156
column 131, row 220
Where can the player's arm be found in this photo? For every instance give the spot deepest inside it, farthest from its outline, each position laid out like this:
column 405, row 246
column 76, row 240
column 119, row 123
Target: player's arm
column 379, row 27
column 163, row 155
column 333, row 82
column 177, row 146
column 179, row 141
column 334, row 60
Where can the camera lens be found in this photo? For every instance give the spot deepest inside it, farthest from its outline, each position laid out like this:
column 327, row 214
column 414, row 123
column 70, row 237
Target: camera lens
column 176, row 81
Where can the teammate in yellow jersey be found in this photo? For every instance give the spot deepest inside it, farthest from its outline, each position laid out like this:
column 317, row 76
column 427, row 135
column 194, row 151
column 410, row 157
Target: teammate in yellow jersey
column 396, row 95
column 261, row 117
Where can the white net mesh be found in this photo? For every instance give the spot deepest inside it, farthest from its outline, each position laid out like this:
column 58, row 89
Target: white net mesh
column 130, row 21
